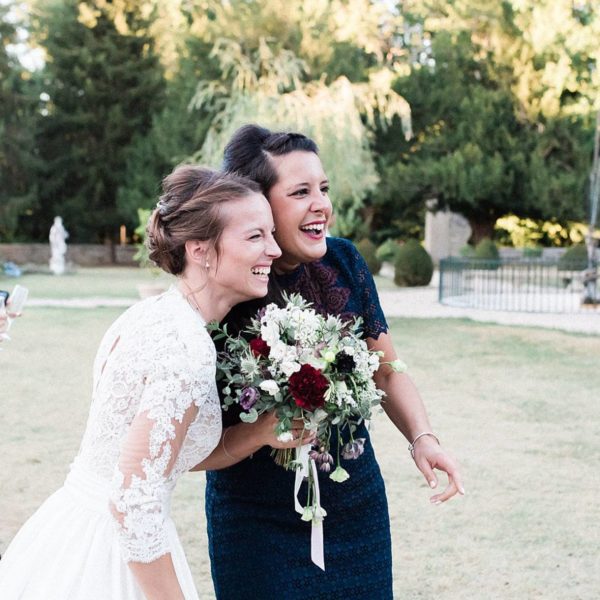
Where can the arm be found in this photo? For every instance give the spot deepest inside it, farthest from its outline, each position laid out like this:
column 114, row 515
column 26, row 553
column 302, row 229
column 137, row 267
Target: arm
column 404, row 407
column 142, row 483
column 240, row 441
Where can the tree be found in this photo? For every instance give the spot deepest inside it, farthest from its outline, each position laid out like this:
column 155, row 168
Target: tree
column 288, row 73
column 18, row 105
column 468, row 149
column 501, row 97
column 104, row 84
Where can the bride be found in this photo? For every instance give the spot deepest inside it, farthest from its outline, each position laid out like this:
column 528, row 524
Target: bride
column 107, row 534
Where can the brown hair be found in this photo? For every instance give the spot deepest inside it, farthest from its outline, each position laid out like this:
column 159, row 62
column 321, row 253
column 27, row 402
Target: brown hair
column 190, row 209
column 251, row 147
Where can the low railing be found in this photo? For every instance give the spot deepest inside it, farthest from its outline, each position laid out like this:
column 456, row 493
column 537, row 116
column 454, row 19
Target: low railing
column 530, row 285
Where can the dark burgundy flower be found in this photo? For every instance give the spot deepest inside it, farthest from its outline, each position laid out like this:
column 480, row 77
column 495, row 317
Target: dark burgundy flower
column 308, row 387
column 248, row 397
column 259, row 347
column 344, row 363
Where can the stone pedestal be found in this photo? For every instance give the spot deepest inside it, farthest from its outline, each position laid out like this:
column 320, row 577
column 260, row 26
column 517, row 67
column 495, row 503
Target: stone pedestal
column 445, row 233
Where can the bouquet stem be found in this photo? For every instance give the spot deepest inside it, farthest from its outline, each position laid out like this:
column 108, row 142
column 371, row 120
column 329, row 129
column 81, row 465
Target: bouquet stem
column 284, row 457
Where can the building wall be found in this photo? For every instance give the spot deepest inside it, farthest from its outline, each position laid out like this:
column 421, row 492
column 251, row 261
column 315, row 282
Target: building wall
column 84, row 255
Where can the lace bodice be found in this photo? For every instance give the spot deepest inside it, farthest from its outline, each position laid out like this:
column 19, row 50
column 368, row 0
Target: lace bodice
column 155, row 413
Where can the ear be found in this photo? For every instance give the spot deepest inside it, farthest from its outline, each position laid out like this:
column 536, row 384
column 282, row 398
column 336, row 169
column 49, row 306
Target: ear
column 195, row 251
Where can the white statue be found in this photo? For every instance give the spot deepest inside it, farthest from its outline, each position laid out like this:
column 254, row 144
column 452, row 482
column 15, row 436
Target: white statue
column 58, row 246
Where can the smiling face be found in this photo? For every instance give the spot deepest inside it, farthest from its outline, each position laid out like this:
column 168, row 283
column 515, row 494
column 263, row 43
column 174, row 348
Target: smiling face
column 301, row 208
column 247, row 249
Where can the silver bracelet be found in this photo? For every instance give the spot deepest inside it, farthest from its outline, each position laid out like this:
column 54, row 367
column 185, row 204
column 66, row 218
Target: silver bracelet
column 225, row 431
column 411, row 447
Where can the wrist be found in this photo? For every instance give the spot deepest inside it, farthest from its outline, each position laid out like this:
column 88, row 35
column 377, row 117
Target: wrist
column 420, row 438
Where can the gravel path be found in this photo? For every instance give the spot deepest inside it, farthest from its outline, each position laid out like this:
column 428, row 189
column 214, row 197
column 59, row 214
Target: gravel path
column 420, row 303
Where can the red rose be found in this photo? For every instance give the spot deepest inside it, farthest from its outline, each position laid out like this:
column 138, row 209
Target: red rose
column 308, row 387
column 259, row 347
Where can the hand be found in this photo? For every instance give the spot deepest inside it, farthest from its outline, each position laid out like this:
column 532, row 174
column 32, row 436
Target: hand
column 265, row 430
column 429, row 455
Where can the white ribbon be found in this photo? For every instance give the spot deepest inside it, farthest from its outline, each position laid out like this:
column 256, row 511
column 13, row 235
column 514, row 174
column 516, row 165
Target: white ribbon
column 307, row 465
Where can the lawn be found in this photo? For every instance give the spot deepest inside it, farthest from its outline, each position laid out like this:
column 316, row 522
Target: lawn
column 107, row 282
column 517, row 406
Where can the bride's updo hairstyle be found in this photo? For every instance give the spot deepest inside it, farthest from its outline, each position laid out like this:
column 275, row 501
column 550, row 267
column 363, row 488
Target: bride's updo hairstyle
column 249, row 152
column 190, row 209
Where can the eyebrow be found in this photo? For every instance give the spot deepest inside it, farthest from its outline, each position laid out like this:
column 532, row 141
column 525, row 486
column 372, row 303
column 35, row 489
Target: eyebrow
column 306, row 184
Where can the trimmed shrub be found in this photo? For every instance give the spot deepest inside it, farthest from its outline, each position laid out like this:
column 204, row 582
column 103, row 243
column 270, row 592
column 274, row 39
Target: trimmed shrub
column 487, row 252
column 386, row 252
column 368, row 251
column 413, row 265
column 467, row 251
column 486, row 249
column 574, row 259
column 532, row 252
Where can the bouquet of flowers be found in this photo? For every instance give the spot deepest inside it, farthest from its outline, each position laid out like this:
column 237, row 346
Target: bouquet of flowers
column 303, row 365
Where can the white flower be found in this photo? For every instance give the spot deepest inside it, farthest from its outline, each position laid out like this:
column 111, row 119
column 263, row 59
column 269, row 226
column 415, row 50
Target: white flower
column 281, row 352
column 286, row 436
column 270, row 386
column 399, row 366
column 270, row 333
column 289, row 367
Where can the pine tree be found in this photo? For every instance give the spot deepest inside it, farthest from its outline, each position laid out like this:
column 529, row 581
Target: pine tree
column 104, row 84
column 18, row 104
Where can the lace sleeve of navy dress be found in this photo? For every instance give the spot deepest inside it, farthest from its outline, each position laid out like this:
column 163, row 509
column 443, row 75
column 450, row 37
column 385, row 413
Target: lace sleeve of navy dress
column 343, row 254
column 145, row 476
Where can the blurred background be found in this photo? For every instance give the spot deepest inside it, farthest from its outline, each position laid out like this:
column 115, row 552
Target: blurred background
column 448, row 128
column 486, row 108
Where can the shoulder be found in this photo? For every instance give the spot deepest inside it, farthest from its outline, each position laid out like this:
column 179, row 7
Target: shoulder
column 342, row 254
column 341, row 247
column 167, row 329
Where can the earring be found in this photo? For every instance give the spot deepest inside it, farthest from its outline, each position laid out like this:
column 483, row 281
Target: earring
column 207, row 265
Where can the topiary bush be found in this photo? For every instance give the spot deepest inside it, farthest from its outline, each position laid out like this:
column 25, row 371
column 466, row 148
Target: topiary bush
column 487, row 252
column 574, row 259
column 486, row 249
column 467, row 251
column 533, row 252
column 413, row 265
column 369, row 252
column 386, row 252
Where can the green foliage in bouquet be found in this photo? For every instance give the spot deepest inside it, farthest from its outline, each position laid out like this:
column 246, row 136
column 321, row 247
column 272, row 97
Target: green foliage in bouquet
column 368, row 251
column 413, row 265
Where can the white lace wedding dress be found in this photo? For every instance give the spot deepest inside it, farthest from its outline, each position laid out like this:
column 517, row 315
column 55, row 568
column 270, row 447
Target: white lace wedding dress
column 155, row 413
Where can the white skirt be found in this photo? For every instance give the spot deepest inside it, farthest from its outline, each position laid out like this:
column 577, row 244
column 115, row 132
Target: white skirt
column 69, row 550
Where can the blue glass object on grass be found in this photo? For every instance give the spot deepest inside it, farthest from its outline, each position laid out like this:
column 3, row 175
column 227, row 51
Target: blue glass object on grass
column 11, row 269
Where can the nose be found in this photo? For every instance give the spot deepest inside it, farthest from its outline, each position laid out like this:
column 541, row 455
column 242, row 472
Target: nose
column 321, row 203
column 272, row 250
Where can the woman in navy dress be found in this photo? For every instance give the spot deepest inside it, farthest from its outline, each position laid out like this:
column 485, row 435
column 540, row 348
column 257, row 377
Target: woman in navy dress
column 259, row 547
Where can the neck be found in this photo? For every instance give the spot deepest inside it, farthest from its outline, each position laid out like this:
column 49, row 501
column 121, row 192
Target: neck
column 211, row 303
column 285, row 264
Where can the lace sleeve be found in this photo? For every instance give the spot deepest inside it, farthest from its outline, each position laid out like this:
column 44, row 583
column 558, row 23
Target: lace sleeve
column 372, row 313
column 142, row 482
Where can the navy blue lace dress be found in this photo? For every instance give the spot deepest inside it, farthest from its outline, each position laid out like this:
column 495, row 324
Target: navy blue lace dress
column 259, row 547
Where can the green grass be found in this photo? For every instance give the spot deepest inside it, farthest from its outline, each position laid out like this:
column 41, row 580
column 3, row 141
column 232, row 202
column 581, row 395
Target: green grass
column 107, row 282
column 517, row 406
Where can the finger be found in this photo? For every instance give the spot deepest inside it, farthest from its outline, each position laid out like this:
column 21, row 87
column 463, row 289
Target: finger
column 425, row 468
column 451, row 490
column 445, row 463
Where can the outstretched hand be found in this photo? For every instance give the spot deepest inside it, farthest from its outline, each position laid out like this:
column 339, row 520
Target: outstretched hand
column 429, row 455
